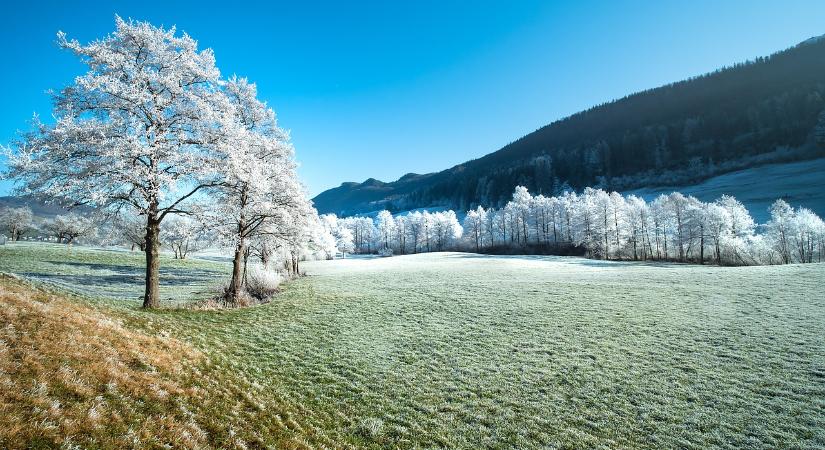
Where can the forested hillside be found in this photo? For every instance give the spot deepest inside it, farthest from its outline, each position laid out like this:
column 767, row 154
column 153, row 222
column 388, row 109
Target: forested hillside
column 768, row 110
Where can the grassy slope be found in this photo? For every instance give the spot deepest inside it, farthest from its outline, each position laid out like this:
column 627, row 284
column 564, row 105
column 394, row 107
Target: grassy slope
column 72, row 375
column 469, row 351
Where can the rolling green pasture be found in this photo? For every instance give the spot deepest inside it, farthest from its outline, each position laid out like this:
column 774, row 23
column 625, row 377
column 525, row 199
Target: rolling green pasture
column 468, row 351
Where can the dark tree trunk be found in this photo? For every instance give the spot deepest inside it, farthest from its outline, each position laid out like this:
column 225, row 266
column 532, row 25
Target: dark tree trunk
column 151, row 297
column 236, row 284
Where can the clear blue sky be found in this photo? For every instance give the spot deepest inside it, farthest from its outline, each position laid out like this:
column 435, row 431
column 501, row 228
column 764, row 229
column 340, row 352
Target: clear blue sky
column 379, row 89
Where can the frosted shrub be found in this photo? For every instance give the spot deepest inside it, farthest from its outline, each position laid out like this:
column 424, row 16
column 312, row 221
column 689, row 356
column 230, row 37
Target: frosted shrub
column 262, row 283
column 385, row 252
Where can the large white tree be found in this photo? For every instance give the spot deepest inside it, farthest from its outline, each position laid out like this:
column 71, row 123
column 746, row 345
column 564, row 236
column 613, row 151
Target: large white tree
column 137, row 131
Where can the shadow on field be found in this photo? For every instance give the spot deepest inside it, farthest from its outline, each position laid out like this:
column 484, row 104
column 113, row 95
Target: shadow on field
column 125, row 274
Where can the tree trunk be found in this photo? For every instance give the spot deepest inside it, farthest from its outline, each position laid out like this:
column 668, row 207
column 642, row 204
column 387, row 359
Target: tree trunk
column 246, row 254
column 236, row 284
column 151, row 297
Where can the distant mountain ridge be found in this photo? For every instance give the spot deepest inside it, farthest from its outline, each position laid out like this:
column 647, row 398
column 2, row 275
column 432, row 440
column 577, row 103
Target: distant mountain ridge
column 40, row 208
column 764, row 111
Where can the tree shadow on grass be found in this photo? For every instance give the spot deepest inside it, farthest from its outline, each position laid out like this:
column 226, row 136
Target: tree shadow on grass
column 121, row 286
column 130, row 275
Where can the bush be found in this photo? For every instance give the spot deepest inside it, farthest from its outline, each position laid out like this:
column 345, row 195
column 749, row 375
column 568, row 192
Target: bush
column 385, row 252
column 262, row 283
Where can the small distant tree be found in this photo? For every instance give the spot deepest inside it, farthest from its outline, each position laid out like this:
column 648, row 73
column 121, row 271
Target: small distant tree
column 474, row 226
column 638, row 215
column 780, row 227
column 678, row 205
column 16, row 221
column 320, row 239
column 68, row 227
column 183, row 235
column 341, row 234
column 401, row 224
column 132, row 230
column 386, row 228
column 415, row 228
column 445, row 229
column 807, row 229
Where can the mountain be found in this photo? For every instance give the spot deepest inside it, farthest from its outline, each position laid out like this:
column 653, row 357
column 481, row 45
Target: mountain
column 39, row 208
column 770, row 110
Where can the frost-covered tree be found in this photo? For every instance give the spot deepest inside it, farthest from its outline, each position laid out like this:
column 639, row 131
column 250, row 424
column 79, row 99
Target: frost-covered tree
column 520, row 213
column 321, row 240
column 807, row 231
column 363, row 231
column 258, row 187
column 603, row 223
column 137, row 131
column 16, row 221
column 618, row 213
column 661, row 223
column 132, row 230
column 474, row 223
column 183, row 235
column 678, row 206
column 343, row 240
column 386, row 229
column 637, row 214
column 741, row 225
column 68, row 227
column 445, row 229
column 416, row 229
column 341, row 234
column 400, row 237
column 610, row 225
column 717, row 226
column 295, row 235
column 780, row 227
column 587, row 225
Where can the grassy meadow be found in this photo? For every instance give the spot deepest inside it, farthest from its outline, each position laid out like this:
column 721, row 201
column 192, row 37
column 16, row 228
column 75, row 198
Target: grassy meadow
column 451, row 350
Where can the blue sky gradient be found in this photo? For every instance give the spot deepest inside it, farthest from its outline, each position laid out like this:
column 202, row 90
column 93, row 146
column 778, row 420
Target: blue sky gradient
column 386, row 88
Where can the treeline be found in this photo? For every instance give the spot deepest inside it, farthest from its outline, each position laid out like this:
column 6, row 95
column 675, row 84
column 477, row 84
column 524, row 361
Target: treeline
column 599, row 224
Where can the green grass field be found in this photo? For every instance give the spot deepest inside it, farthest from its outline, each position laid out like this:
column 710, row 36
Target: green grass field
column 111, row 275
column 469, row 351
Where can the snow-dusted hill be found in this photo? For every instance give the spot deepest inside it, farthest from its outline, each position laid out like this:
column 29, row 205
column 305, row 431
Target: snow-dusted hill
column 800, row 184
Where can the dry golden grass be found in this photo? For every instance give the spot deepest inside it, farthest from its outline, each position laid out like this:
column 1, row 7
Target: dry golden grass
column 75, row 376
column 72, row 375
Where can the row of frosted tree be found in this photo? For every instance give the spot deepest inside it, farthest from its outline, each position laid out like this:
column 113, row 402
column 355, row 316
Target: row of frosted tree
column 599, row 224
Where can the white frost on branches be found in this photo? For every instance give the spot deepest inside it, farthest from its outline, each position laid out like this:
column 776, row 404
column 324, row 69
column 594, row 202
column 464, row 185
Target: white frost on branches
column 605, row 225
